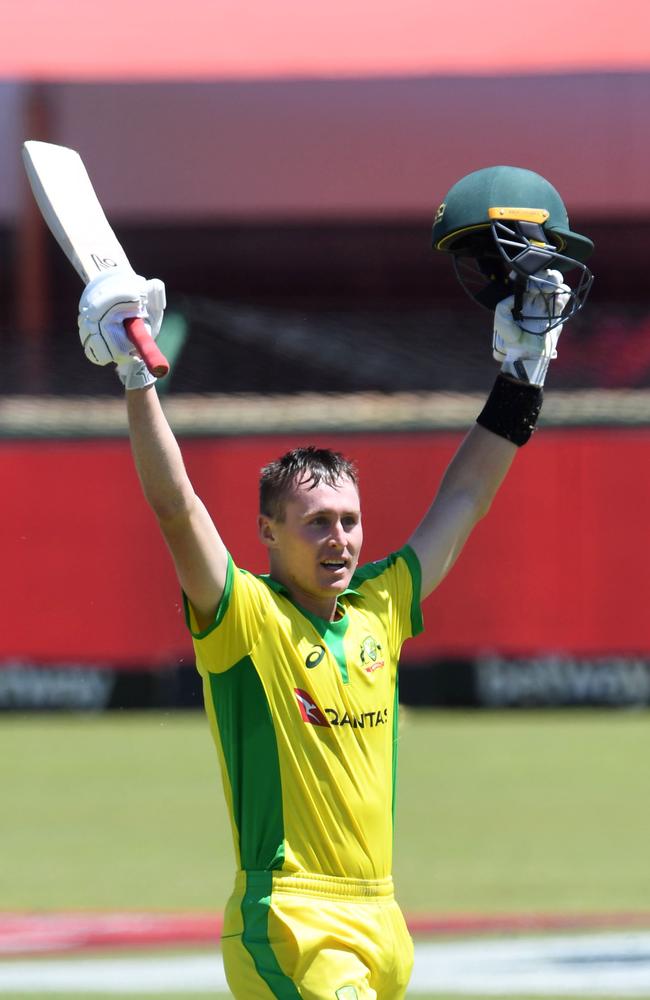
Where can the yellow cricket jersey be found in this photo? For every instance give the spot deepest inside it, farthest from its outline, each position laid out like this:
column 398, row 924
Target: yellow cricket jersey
column 303, row 713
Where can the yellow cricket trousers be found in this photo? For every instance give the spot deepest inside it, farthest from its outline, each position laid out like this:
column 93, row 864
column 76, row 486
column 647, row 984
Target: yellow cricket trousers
column 315, row 937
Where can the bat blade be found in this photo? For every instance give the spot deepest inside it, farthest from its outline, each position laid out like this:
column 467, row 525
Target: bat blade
column 68, row 203
column 66, row 198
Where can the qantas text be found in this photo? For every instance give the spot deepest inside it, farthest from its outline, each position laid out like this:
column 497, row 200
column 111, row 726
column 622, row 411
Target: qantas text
column 366, row 720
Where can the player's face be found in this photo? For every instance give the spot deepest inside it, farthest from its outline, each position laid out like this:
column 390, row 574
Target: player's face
column 315, row 548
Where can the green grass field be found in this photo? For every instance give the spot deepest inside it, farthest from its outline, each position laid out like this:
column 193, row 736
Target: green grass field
column 497, row 812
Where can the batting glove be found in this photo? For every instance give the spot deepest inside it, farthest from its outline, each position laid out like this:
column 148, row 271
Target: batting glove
column 107, row 301
column 527, row 346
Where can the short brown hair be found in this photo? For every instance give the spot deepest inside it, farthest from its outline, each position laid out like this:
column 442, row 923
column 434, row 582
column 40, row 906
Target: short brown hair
column 307, row 464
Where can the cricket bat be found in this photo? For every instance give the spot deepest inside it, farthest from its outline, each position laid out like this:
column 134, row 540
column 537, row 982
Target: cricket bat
column 70, row 207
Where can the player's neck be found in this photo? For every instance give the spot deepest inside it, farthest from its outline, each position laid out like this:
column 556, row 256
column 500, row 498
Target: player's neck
column 325, row 608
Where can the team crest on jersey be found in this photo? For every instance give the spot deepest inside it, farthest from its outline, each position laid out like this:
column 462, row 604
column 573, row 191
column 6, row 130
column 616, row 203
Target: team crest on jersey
column 309, row 710
column 371, row 658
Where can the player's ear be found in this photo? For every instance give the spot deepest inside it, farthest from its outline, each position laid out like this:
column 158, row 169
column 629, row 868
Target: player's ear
column 266, row 531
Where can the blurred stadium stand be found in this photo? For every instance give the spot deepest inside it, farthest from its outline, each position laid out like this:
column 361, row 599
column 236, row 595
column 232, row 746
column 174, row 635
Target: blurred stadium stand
column 326, row 308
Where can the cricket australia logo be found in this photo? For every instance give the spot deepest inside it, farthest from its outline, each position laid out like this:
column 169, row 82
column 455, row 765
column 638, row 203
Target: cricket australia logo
column 309, row 710
column 370, row 654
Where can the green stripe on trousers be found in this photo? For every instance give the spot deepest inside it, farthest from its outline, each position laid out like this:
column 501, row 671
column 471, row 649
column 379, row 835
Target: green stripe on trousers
column 255, row 908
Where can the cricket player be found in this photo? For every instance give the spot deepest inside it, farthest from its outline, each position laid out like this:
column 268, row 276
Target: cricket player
column 299, row 665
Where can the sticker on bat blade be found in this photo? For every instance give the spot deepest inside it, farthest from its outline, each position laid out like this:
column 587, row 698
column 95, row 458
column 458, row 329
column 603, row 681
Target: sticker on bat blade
column 103, row 263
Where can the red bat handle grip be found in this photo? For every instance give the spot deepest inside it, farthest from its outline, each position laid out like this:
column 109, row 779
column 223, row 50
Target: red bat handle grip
column 148, row 350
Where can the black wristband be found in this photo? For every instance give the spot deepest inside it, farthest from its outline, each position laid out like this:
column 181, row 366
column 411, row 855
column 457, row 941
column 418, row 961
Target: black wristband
column 512, row 409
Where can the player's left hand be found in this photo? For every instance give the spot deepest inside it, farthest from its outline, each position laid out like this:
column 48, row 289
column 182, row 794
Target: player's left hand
column 106, row 302
column 527, row 346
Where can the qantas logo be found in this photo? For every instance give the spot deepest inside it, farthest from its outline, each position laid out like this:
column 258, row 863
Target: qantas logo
column 309, row 710
column 313, row 715
column 366, row 720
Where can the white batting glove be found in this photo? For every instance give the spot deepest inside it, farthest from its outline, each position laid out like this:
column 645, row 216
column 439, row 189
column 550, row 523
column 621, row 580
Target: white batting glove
column 107, row 301
column 526, row 346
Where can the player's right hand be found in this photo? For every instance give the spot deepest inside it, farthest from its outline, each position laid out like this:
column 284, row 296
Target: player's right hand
column 107, row 301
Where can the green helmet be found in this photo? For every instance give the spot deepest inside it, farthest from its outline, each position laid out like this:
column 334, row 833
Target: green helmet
column 502, row 225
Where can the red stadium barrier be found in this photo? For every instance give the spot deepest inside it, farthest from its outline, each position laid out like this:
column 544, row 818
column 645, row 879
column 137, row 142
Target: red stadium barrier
column 560, row 564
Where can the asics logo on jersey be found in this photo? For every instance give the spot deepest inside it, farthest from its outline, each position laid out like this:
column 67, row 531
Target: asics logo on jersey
column 314, row 658
column 309, row 710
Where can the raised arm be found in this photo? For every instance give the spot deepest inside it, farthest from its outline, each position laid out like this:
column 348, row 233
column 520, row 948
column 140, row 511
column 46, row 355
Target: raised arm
column 465, row 494
column 197, row 550
column 505, row 423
